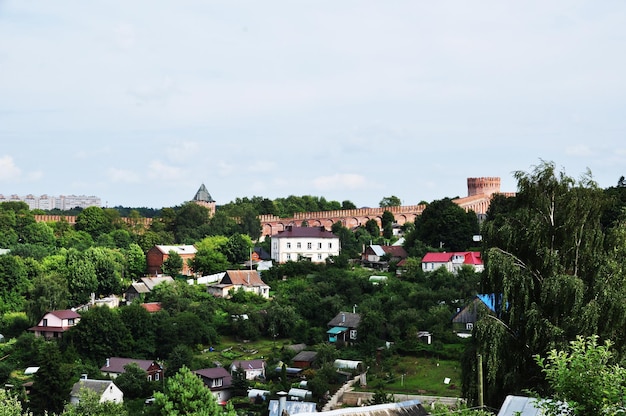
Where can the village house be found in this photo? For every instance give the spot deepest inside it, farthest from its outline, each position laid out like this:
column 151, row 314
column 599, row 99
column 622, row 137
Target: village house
column 379, row 256
column 253, row 369
column 106, row 390
column 304, row 243
column 465, row 318
column 114, row 366
column 218, row 380
column 157, row 255
column 343, row 328
column 234, row 280
column 55, row 323
column 144, row 286
column 452, row 261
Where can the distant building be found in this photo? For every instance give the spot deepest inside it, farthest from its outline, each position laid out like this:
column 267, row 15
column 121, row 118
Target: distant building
column 452, row 261
column 234, row 280
column 63, row 202
column 55, row 323
column 156, row 256
column 304, row 243
column 203, row 198
column 106, row 390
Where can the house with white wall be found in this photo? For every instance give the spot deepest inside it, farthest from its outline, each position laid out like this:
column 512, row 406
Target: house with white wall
column 304, row 243
column 452, row 261
column 55, row 323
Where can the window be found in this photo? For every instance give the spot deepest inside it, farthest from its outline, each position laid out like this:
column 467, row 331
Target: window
column 288, row 245
column 353, row 334
column 309, row 245
column 70, row 321
column 275, row 245
column 44, row 322
column 288, row 256
column 218, row 382
column 149, row 377
column 469, row 326
column 330, row 245
column 156, row 376
column 319, row 256
column 299, row 245
column 319, row 246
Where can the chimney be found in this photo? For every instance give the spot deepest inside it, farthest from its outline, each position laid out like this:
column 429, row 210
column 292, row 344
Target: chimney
column 282, row 402
column 343, row 317
column 83, row 376
column 108, row 363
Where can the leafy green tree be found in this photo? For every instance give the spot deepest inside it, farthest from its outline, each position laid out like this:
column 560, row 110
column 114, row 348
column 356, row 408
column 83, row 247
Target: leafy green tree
column 173, row 265
column 89, row 405
column 546, row 261
column 99, row 334
column 136, row 262
column 371, row 226
column 237, row 248
column 39, row 233
column 239, row 382
column 14, row 283
column 191, row 223
column 181, row 356
column 82, row 279
column 390, row 201
column 387, row 220
column 10, row 405
column 210, row 257
column 108, row 265
column 222, row 224
column 349, row 244
column 445, row 224
column 51, row 384
column 134, row 382
column 94, row 221
column 185, row 394
column 79, row 240
column 142, row 329
column 250, row 224
column 348, row 205
column 585, row 378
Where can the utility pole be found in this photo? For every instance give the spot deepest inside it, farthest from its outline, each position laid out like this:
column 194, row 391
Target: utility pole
column 481, row 402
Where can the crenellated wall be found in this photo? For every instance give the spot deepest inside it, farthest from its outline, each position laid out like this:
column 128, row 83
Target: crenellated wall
column 480, row 192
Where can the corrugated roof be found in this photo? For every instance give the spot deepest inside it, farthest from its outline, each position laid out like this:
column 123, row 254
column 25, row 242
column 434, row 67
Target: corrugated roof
column 292, row 407
column 116, row 364
column 243, row 278
column 520, row 406
column 249, row 364
column 406, row 408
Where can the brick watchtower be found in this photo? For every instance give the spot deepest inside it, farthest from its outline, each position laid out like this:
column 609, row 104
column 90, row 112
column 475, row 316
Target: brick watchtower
column 203, row 198
column 483, row 186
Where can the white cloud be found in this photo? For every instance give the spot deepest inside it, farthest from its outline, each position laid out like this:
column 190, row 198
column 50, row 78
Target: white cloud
column 578, row 150
column 340, row 181
column 161, row 171
column 261, row 166
column 124, row 35
column 8, row 169
column 123, row 176
column 183, row 152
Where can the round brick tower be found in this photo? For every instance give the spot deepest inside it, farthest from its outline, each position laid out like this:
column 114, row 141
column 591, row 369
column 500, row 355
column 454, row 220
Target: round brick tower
column 483, row 186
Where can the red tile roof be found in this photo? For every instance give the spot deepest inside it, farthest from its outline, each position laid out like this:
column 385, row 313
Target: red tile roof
column 242, row 278
column 152, row 306
column 471, row 257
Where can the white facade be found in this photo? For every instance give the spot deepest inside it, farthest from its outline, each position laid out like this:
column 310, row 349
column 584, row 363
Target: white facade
column 304, row 243
column 63, row 202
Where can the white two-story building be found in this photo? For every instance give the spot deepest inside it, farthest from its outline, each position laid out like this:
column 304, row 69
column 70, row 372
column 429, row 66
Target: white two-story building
column 304, row 243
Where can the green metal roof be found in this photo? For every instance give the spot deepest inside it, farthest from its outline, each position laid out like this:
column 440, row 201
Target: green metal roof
column 336, row 330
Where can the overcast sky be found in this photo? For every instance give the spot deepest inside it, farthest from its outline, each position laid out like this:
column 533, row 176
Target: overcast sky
column 140, row 102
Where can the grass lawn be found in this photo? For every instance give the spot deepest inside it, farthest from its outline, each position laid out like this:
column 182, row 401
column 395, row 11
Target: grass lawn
column 229, row 349
column 412, row 375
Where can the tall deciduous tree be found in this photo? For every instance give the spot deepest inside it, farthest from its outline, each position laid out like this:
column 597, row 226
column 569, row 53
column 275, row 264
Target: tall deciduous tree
column 51, row 383
column 173, row 265
column 94, row 221
column 445, row 224
column 584, row 380
column 546, row 263
column 185, row 394
column 390, row 201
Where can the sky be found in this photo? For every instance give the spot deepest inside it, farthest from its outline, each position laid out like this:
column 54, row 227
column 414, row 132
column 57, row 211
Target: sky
column 140, row 102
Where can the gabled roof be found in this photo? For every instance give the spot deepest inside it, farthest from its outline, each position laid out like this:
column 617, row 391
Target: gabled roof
column 242, row 278
column 151, row 282
column 180, row 249
column 99, row 386
column 249, row 364
column 116, row 364
column 65, row 314
column 203, row 195
column 307, row 356
column 214, row 374
column 346, row 319
column 304, row 232
column 470, row 257
column 152, row 307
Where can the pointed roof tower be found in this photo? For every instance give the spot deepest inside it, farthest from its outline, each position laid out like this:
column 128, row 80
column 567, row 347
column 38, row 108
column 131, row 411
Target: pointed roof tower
column 203, row 195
